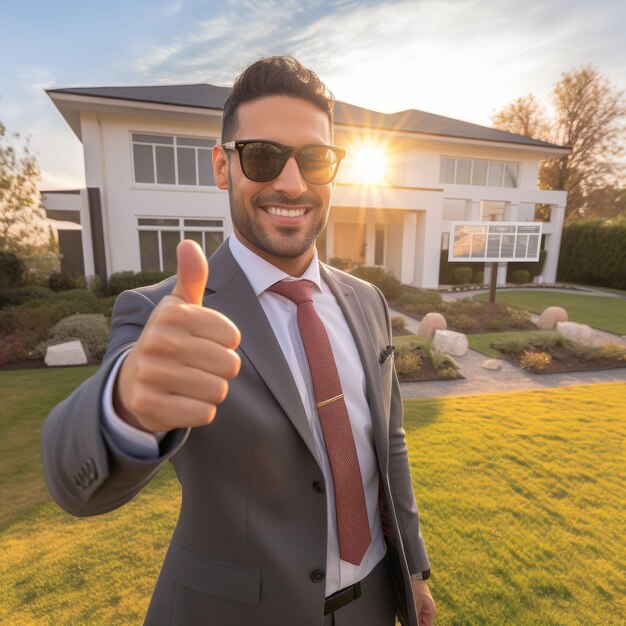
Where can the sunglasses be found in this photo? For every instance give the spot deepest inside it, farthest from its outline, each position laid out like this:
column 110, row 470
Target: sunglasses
column 262, row 161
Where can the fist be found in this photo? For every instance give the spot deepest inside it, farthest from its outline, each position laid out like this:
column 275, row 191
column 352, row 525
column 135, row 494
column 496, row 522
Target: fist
column 178, row 371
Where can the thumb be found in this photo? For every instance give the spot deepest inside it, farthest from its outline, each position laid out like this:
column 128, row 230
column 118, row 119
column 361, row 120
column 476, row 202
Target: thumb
column 193, row 271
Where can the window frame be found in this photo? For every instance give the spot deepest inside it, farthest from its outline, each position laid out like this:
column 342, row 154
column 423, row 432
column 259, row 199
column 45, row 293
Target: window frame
column 180, row 228
column 515, row 166
column 174, row 145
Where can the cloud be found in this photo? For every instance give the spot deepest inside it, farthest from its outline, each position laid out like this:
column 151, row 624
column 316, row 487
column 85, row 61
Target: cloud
column 172, row 9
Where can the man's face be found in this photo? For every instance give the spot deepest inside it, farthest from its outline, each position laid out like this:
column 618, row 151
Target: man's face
column 279, row 219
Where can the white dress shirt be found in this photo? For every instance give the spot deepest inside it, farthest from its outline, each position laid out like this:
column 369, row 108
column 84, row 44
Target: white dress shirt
column 281, row 314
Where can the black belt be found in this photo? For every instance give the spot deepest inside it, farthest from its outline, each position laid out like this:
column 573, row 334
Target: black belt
column 342, row 597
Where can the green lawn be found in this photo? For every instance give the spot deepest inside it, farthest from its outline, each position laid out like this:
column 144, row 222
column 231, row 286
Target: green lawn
column 602, row 312
column 522, row 497
column 482, row 342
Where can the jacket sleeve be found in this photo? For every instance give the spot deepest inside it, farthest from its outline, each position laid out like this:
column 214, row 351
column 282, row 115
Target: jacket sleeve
column 400, row 474
column 85, row 471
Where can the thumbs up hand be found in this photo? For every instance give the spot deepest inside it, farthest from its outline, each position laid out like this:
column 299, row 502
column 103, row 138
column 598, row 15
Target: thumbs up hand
column 178, row 370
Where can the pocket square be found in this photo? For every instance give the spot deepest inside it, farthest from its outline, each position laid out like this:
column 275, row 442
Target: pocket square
column 385, row 354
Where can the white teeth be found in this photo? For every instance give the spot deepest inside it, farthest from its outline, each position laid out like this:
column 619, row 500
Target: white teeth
column 285, row 212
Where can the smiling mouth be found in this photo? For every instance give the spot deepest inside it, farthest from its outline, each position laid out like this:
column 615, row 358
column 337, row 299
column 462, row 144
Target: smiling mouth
column 280, row 212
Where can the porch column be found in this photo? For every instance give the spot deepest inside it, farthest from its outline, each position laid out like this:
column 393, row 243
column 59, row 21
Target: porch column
column 553, row 243
column 409, row 232
column 370, row 238
column 472, row 210
column 511, row 212
column 427, row 250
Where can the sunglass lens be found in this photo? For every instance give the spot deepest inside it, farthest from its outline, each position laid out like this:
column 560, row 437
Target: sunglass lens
column 317, row 164
column 262, row 161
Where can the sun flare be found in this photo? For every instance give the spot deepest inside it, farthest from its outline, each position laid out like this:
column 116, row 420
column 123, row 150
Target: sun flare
column 366, row 164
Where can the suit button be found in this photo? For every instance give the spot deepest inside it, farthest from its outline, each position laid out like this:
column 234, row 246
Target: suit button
column 318, row 576
column 318, row 487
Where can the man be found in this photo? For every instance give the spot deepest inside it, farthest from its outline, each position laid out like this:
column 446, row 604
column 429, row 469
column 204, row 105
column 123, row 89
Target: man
column 297, row 506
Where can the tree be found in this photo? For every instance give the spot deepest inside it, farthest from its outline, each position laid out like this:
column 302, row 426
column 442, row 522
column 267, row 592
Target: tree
column 23, row 228
column 589, row 113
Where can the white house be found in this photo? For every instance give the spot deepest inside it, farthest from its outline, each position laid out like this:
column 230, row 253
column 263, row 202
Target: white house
column 149, row 183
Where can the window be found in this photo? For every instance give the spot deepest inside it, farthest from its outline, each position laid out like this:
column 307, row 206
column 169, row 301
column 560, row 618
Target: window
column 158, row 238
column 166, row 160
column 459, row 171
column 447, row 170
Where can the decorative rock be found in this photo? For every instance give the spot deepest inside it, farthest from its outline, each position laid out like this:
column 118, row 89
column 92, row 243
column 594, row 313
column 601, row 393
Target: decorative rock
column 580, row 333
column 430, row 323
column 492, row 364
column 551, row 316
column 68, row 353
column 449, row 342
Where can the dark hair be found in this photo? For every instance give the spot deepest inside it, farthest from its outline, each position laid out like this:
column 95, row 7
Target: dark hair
column 275, row 76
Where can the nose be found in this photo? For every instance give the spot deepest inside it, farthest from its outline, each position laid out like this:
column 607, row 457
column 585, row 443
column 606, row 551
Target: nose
column 290, row 181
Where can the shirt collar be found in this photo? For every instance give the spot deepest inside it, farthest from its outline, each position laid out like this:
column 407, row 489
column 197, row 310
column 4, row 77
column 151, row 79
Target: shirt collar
column 261, row 274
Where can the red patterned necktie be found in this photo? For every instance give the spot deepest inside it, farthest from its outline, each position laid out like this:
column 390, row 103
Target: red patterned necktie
column 352, row 522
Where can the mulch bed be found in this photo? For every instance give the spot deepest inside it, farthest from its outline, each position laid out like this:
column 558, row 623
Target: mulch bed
column 564, row 360
column 426, row 371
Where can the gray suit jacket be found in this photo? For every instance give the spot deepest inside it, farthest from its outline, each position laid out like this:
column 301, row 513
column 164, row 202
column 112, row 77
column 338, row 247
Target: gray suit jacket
column 251, row 535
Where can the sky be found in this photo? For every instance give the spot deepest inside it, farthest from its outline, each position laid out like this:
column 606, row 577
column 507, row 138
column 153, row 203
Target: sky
column 459, row 58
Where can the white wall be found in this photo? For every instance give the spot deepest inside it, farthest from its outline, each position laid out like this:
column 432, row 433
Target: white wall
column 108, row 164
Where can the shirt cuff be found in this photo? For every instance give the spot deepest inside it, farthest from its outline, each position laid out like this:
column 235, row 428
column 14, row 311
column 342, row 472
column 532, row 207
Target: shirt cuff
column 132, row 441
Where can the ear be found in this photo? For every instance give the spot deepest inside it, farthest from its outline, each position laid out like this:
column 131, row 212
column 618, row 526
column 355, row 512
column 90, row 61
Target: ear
column 220, row 167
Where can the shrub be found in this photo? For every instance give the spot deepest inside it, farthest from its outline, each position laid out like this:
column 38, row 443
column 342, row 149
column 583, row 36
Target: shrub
column 105, row 306
column 479, row 277
column 93, row 330
column 520, row 277
column 447, row 372
column 463, row 322
column 462, row 275
column 594, row 253
column 94, row 283
column 408, row 364
column 63, row 281
column 13, row 348
column 513, row 345
column 441, row 359
column 85, row 296
column 535, row 361
column 613, row 350
column 32, row 321
column 398, row 323
column 12, row 270
column 382, row 278
column 340, row 264
column 20, row 295
column 496, row 323
column 413, row 295
column 121, row 281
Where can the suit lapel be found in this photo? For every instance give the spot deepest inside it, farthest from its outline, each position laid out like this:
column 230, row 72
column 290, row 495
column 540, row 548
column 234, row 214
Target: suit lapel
column 369, row 353
column 229, row 292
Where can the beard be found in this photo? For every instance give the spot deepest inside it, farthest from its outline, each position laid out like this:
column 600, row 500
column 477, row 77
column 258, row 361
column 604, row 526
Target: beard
column 289, row 242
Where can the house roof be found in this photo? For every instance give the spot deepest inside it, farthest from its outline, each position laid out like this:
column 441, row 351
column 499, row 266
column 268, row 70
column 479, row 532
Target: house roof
column 206, row 96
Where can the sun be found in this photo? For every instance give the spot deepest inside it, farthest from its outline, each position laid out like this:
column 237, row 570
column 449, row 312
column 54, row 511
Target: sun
column 366, row 164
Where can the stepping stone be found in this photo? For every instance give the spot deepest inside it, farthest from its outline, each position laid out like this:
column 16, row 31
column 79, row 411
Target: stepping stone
column 68, row 353
column 492, row 364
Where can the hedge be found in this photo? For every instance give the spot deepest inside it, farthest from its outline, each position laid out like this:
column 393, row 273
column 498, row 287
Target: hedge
column 379, row 276
column 593, row 252
column 121, row 281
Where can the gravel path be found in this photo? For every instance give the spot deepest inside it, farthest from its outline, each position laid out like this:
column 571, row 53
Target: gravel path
column 477, row 379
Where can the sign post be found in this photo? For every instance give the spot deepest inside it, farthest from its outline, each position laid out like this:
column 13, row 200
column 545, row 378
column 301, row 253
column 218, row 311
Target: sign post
column 494, row 242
